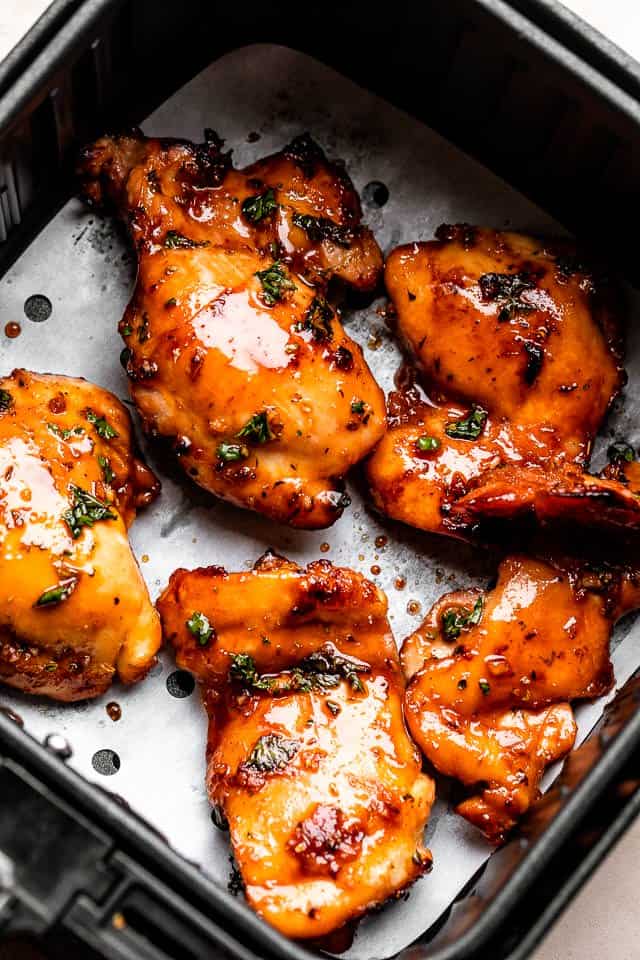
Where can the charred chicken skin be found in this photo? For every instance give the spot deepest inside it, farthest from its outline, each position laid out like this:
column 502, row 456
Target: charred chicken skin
column 232, row 348
column 519, row 349
column 491, row 675
column 309, row 760
column 74, row 609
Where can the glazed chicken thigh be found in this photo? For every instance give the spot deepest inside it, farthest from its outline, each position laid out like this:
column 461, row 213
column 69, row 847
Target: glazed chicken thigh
column 232, row 348
column 519, row 348
column 74, row 609
column 491, row 675
column 309, row 760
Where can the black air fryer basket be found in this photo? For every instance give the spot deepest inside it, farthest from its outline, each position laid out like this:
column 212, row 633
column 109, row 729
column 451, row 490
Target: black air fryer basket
column 543, row 102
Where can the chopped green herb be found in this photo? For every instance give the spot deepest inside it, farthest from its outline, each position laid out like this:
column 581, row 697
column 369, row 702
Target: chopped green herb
column 144, row 332
column 105, row 465
column 507, row 289
column 102, row 427
column 320, row 228
column 485, row 687
column 270, row 753
column 258, row 207
column 243, row 668
column 199, row 626
column 56, row 594
column 317, row 319
column 275, row 283
column 455, row 620
column 257, row 429
column 171, row 302
column 6, row 401
column 176, row 241
column 621, row 452
column 51, row 667
column 357, row 406
column 86, row 511
column 427, row 444
column 470, row 427
column 231, row 452
column 65, row 434
column 325, row 668
column 321, row 670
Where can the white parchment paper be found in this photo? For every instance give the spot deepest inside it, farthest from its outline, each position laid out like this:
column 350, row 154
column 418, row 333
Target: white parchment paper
column 82, row 264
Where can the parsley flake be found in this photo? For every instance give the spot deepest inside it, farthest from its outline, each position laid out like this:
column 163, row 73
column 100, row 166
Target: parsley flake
column 506, row 289
column 317, row 319
column 173, row 240
column 105, row 465
column 231, row 452
column 52, row 596
column 102, row 427
column 257, row 429
column 427, row 444
column 470, row 427
column 86, row 511
column 243, row 668
column 255, row 209
column 6, row 401
column 325, row 669
column 65, row 434
column 275, row 283
column 320, row 228
column 270, row 753
column 455, row 620
column 199, row 626
column 143, row 330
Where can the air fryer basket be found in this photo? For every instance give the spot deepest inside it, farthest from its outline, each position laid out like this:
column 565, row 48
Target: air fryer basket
column 550, row 124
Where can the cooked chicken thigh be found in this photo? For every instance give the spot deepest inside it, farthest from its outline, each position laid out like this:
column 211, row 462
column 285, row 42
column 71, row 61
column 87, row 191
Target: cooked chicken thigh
column 519, row 347
column 309, row 760
column 491, row 673
column 233, row 350
column 74, row 609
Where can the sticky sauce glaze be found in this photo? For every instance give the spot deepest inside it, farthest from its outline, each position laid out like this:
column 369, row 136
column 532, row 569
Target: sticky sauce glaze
column 491, row 676
column 331, row 823
column 530, row 336
column 73, row 606
column 229, row 319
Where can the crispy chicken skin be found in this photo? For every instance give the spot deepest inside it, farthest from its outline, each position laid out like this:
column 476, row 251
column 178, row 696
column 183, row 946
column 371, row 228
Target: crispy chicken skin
column 266, row 398
column 308, row 757
column 74, row 609
column 519, row 349
column 491, row 673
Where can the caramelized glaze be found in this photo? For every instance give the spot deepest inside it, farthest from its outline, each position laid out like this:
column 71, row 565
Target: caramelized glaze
column 335, row 827
column 526, row 334
column 488, row 696
column 208, row 347
column 99, row 619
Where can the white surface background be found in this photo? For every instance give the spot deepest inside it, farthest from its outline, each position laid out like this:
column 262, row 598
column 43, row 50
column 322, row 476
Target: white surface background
column 604, row 920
